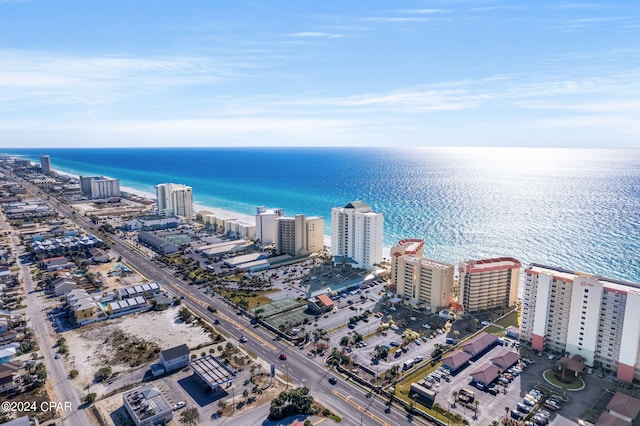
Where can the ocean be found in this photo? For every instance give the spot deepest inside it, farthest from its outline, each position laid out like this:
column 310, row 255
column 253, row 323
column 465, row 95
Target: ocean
column 574, row 208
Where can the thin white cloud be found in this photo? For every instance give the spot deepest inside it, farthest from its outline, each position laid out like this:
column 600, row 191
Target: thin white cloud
column 625, row 106
column 315, row 34
column 393, row 19
column 425, row 11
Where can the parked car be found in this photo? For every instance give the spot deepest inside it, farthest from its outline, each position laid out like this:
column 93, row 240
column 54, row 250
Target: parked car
column 516, row 415
column 178, row 405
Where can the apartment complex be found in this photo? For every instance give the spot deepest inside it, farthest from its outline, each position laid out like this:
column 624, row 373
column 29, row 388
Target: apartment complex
column 175, row 200
column 582, row 314
column 356, row 234
column 424, row 283
column 266, row 226
column 299, row 235
column 407, row 246
column 99, row 186
column 45, row 163
column 488, row 283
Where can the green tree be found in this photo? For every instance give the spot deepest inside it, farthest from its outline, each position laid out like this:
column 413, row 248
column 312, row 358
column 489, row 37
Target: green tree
column 89, row 398
column 291, row 402
column 102, row 374
column 185, row 314
column 190, row 416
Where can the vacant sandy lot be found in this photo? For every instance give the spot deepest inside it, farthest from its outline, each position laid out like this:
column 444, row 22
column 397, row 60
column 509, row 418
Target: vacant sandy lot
column 112, row 282
column 89, row 348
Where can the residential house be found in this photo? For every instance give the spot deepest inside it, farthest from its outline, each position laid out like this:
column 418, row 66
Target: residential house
column 9, row 381
column 132, row 304
column 174, row 358
column 147, row 289
column 23, row 421
column 99, row 255
column 82, row 306
column 59, row 263
column 62, row 286
column 8, row 352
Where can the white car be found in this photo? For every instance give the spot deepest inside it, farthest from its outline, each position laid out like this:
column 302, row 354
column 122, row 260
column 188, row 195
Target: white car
column 427, row 326
column 485, row 323
column 178, row 405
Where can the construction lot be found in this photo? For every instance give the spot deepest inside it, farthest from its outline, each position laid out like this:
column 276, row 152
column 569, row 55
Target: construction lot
column 97, row 345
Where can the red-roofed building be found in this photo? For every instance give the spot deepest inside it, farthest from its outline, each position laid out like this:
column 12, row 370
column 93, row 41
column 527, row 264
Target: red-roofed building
column 320, row 303
column 505, row 359
column 607, row 419
column 573, row 365
column 624, row 407
column 479, row 344
column 456, row 361
column 486, row 374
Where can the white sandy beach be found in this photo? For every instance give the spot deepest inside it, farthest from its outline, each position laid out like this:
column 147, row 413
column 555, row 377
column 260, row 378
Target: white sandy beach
column 201, row 207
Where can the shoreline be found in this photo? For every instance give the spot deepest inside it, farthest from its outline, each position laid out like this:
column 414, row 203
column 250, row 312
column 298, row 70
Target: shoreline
column 197, row 207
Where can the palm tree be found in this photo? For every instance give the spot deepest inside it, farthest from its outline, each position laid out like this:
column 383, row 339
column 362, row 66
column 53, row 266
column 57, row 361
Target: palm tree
column 190, row 416
column 455, row 398
column 506, row 412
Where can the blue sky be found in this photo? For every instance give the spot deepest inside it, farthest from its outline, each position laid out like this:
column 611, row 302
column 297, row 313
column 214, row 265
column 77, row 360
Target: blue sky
column 337, row 73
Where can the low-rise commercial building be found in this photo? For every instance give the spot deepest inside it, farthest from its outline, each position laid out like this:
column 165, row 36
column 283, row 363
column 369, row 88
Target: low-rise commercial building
column 146, row 406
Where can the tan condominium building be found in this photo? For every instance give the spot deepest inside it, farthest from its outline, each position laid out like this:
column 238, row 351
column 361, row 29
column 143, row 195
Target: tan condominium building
column 175, row 200
column 266, row 224
column 408, row 246
column 299, row 235
column 421, row 282
column 581, row 314
column 488, row 283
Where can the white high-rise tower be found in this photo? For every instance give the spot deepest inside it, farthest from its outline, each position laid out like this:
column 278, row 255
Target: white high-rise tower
column 356, row 234
column 175, row 199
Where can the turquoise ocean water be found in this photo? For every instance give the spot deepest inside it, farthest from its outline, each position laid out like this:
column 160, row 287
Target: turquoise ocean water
column 575, row 208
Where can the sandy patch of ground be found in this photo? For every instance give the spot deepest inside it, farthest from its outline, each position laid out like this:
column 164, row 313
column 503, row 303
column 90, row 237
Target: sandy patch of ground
column 110, row 283
column 88, row 350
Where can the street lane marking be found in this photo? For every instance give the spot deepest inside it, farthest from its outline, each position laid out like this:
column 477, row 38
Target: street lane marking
column 356, row 405
column 238, row 326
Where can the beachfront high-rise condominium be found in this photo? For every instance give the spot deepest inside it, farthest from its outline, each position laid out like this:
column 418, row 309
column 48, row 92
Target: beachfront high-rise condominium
column 45, row 163
column 266, row 226
column 99, row 186
column 407, row 246
column 421, row 282
column 588, row 315
column 299, row 235
column 488, row 284
column 356, row 234
column 175, row 200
